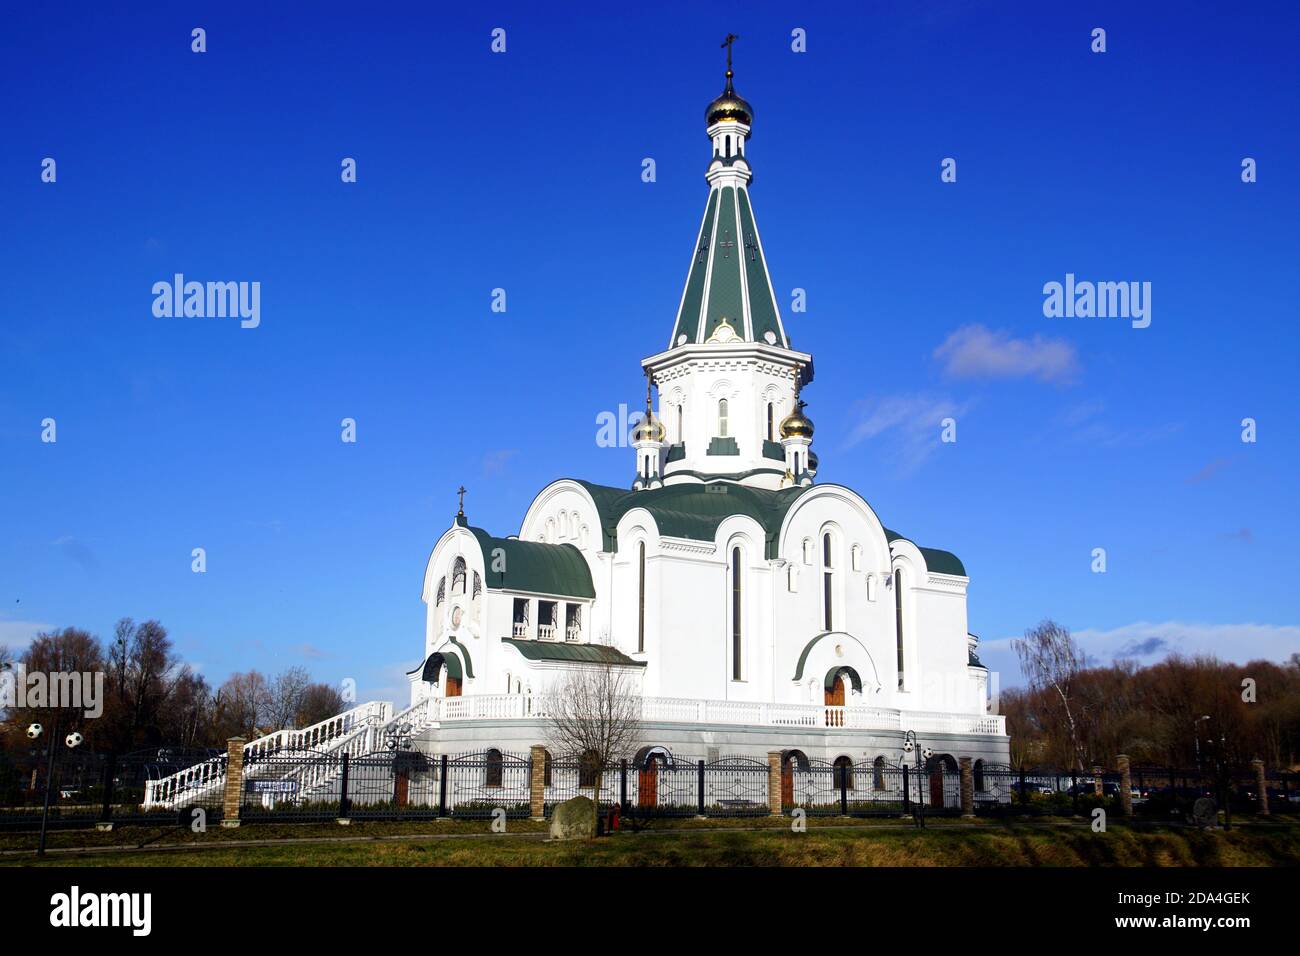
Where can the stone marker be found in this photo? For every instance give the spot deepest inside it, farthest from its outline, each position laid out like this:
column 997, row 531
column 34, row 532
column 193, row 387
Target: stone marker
column 1205, row 813
column 574, row 820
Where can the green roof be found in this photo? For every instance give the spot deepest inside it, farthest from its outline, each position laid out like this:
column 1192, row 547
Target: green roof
column 694, row 510
column 573, row 653
column 728, row 276
column 940, row 562
column 534, row 567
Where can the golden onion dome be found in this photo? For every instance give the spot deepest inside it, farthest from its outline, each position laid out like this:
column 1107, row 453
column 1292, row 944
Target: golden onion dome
column 797, row 424
column 649, row 428
column 730, row 105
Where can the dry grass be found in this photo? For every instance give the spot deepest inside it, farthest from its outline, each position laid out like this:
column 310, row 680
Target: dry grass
column 1015, row 845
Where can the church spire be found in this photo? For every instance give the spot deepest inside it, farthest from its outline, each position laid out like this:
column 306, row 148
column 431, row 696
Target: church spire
column 728, row 295
column 729, row 378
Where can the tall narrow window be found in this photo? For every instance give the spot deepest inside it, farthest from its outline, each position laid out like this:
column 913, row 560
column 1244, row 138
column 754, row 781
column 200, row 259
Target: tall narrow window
column 736, row 614
column 828, row 590
column 722, row 418
column 680, row 433
column 898, row 622
column 771, row 419
column 640, row 611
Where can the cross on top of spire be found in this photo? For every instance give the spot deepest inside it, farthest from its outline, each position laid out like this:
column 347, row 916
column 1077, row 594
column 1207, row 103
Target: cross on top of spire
column 731, row 38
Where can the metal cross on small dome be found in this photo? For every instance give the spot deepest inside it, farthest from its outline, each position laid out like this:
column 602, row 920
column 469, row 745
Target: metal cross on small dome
column 460, row 507
column 731, row 38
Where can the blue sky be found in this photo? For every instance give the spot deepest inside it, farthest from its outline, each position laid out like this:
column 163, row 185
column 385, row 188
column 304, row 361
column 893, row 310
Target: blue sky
column 522, row 171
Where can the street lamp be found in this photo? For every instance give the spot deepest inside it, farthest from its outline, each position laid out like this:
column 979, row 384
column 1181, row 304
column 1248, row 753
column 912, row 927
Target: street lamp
column 1196, row 730
column 909, row 746
column 73, row 740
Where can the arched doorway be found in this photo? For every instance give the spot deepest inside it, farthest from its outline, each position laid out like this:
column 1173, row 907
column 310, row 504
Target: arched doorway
column 647, row 784
column 789, row 760
column 937, row 766
column 838, row 682
column 842, row 773
column 434, row 666
column 405, row 763
column 648, row 761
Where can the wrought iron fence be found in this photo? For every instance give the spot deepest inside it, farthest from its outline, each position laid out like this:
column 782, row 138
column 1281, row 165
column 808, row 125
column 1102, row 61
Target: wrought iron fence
column 288, row 785
column 90, row 788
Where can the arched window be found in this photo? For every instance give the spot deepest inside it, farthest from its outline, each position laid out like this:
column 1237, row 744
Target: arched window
column 478, row 586
column 737, row 616
column 458, row 576
column 442, row 592
column 978, row 770
column 771, row 422
column 828, row 585
column 878, row 774
column 898, row 622
column 722, row 418
column 843, row 772
column 546, row 768
column 494, row 765
column 640, row 606
column 680, row 427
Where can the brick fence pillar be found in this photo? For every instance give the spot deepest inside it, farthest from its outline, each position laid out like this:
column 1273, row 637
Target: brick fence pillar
column 967, row 787
column 1096, row 781
column 234, row 782
column 1261, row 786
column 537, row 784
column 1125, row 785
column 774, row 782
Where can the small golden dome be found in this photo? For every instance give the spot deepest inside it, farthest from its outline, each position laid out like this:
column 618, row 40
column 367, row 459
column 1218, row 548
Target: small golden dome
column 648, row 428
column 812, row 460
column 797, row 424
column 730, row 105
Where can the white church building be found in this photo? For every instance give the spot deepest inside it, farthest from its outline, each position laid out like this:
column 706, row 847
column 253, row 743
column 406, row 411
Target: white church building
column 750, row 607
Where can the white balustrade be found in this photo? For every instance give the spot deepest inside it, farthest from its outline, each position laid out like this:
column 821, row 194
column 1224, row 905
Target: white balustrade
column 686, row 710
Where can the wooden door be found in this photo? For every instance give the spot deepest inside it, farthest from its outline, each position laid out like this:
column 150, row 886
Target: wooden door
column 647, row 788
column 936, row 787
column 401, row 783
column 835, row 698
column 787, row 783
column 453, row 686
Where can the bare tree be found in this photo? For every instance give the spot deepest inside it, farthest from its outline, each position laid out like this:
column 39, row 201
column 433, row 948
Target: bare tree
column 595, row 713
column 1051, row 660
column 284, row 697
column 319, row 702
column 241, row 705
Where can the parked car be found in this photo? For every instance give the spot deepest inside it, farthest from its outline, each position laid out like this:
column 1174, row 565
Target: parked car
column 1032, row 786
column 1086, row 788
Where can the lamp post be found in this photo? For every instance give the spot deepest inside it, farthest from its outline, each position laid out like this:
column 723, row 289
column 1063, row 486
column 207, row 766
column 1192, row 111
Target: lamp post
column 73, row 741
column 909, row 746
column 1196, row 730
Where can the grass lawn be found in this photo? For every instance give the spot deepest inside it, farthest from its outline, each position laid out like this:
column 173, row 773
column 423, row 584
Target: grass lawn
column 951, row 844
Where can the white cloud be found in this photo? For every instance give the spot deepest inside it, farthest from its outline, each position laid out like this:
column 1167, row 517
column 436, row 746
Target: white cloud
column 975, row 351
column 909, row 423
column 16, row 635
column 1148, row 643
column 495, row 462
